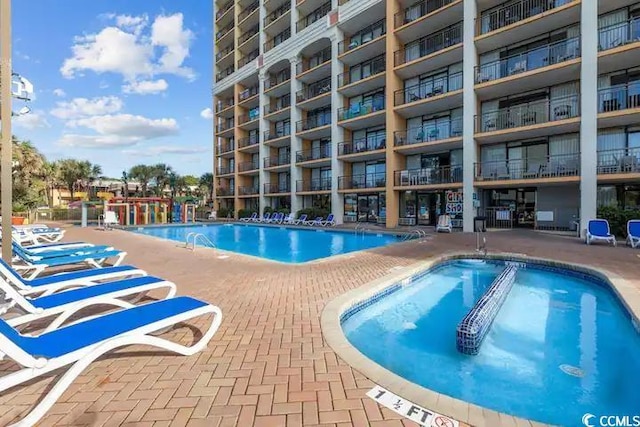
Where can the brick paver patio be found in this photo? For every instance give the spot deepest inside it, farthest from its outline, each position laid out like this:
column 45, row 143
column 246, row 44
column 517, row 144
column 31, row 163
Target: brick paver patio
column 268, row 364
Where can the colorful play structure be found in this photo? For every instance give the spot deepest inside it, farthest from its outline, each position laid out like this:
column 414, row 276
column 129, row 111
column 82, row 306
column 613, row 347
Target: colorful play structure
column 150, row 210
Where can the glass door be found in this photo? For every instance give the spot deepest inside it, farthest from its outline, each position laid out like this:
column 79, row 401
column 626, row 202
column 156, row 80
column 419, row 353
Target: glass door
column 374, row 210
column 424, row 209
column 363, row 208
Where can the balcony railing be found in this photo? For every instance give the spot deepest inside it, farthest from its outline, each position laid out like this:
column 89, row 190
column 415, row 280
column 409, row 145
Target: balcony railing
column 224, row 73
column 226, row 147
column 248, row 58
column 618, row 161
column 343, row 2
column 529, row 114
column 322, row 184
column 275, row 134
column 314, row 61
column 442, row 129
column 312, row 123
column 280, row 104
column 367, row 180
column 224, row 9
column 619, row 97
column 619, row 34
column 248, row 141
column 418, row 10
column 562, row 165
column 428, row 89
column 494, row 19
column 248, row 10
column 248, row 93
column 373, row 68
column 322, row 152
column 224, row 31
column 277, row 13
column 280, row 78
column 361, row 109
column 224, row 52
column 228, row 125
column 362, row 145
column 277, row 188
column 225, row 191
column 248, row 166
column 315, row 89
column 429, row 44
column 254, row 114
column 248, row 191
column 428, row 176
column 277, row 39
column 224, row 170
column 224, row 104
column 247, row 35
column 270, row 162
column 539, row 57
column 314, row 16
column 362, row 37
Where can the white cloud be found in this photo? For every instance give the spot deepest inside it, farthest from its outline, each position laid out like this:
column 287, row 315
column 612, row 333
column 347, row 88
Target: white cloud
column 119, row 130
column 59, row 93
column 32, row 120
column 207, row 113
column 146, row 87
column 163, row 150
column 133, row 50
column 83, row 107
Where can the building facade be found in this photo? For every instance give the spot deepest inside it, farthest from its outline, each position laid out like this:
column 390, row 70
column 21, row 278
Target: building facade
column 396, row 111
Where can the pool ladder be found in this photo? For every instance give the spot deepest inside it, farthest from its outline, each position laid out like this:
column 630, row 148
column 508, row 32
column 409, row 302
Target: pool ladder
column 416, row 233
column 204, row 240
column 360, row 228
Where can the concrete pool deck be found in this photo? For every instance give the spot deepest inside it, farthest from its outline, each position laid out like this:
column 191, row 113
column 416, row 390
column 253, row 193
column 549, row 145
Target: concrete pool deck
column 269, row 364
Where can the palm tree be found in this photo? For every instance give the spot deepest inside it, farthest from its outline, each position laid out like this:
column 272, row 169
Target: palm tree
column 50, row 174
column 143, row 174
column 78, row 174
column 206, row 181
column 162, row 177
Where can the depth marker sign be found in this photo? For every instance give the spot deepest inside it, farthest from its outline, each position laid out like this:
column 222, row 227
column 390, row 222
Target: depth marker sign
column 410, row 410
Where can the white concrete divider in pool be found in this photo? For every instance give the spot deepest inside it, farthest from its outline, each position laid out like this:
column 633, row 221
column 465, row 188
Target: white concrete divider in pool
column 473, row 328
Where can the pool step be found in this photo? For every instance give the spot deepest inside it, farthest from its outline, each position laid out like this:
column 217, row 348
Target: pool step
column 473, row 328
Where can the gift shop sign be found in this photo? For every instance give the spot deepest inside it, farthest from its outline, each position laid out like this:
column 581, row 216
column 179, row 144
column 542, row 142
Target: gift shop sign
column 410, row 410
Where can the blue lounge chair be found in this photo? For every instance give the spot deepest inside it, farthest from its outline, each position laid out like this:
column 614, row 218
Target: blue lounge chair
column 71, row 279
column 300, row 221
column 598, row 230
column 317, row 221
column 633, row 233
column 276, row 218
column 40, row 253
column 79, row 344
column 265, row 218
column 330, row 221
column 252, row 218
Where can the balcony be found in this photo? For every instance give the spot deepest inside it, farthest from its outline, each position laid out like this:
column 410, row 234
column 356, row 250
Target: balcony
column 278, row 85
column 247, row 11
column 507, row 75
column 249, row 121
column 248, row 166
column 314, row 16
column 248, row 93
column 279, row 137
column 364, row 44
column 363, row 78
column 225, row 126
column 314, row 127
column 277, row 161
column 418, row 10
column 323, row 184
column 363, row 148
column 224, row 73
column 277, row 13
column 556, row 168
column 441, row 48
column 224, row 52
column 277, row 39
column 415, row 140
column 225, row 191
column 249, row 141
column 514, row 21
column 248, row 191
column 619, row 105
column 317, row 66
column 312, row 91
column 226, row 147
column 224, row 170
column 248, row 58
column 442, row 176
column 223, row 10
column 277, row 188
column 280, row 105
column 248, row 35
column 227, row 29
column 530, row 120
column 314, row 155
column 421, row 18
column 363, row 181
column 362, row 114
column 618, row 45
column 224, row 105
column 621, row 162
column 430, row 96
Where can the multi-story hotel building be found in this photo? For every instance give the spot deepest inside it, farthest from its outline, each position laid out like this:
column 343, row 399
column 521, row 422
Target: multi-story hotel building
column 525, row 111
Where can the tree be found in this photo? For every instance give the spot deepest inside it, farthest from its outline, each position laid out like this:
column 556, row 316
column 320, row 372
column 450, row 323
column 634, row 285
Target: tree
column 78, row 174
column 143, row 174
column 50, row 174
column 28, row 186
column 162, row 177
column 206, row 181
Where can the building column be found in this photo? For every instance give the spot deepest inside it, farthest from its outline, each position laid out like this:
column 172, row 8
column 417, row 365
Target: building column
column 265, row 177
column 337, row 132
column 470, row 103
column 589, row 114
column 296, row 143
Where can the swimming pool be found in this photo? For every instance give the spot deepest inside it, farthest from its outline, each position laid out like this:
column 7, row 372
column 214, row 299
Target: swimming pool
column 561, row 345
column 276, row 243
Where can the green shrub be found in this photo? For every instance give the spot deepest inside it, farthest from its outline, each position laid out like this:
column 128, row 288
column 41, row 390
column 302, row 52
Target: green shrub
column 223, row 213
column 618, row 218
column 285, row 211
column 268, row 209
column 313, row 213
column 245, row 213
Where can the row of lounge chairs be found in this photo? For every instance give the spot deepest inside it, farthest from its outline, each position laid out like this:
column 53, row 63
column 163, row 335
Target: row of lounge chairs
column 289, row 219
column 48, row 303
column 599, row 230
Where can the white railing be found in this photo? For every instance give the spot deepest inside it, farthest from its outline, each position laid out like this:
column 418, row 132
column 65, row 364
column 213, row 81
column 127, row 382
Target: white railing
column 192, row 239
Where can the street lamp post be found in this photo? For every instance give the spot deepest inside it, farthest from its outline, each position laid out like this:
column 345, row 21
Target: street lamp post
column 6, row 175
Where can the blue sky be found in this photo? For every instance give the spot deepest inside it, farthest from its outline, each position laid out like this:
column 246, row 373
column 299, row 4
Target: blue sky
column 117, row 82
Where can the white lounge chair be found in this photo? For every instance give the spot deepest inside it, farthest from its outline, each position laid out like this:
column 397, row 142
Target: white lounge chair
column 79, row 344
column 288, row 219
column 633, row 233
column 300, row 221
column 444, row 224
column 110, row 220
column 252, row 218
column 598, row 230
column 330, row 221
column 314, row 222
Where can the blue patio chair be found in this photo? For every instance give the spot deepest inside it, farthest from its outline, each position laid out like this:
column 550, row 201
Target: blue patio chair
column 633, row 233
column 598, row 230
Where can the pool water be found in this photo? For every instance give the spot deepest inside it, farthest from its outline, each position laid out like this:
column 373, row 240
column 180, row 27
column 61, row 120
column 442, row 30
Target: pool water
column 275, row 243
column 560, row 346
